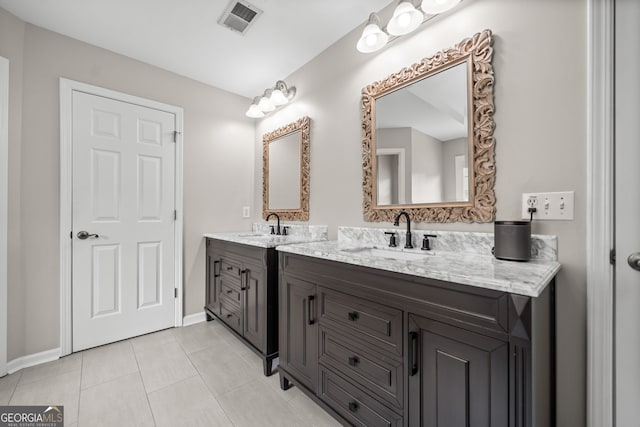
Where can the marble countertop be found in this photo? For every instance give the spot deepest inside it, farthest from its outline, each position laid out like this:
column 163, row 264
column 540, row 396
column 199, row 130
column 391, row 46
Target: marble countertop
column 484, row 271
column 263, row 240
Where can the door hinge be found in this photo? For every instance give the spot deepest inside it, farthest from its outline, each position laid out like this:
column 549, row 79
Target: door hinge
column 175, row 135
column 71, row 234
column 612, row 257
column 175, row 215
column 175, row 292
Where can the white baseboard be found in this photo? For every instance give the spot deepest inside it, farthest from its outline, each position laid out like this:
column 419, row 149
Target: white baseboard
column 32, row 360
column 192, row 319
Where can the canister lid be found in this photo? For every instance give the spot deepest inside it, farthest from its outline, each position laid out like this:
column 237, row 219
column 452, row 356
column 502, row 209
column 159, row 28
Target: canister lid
column 512, row 222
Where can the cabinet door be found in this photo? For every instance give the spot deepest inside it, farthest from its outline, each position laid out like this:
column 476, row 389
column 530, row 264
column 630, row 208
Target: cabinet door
column 255, row 306
column 456, row 377
column 299, row 330
column 212, row 288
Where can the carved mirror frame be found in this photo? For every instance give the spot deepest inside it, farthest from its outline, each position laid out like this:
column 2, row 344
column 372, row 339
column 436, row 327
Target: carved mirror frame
column 302, row 213
column 481, row 204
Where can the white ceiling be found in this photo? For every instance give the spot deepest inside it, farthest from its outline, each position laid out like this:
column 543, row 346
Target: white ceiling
column 183, row 35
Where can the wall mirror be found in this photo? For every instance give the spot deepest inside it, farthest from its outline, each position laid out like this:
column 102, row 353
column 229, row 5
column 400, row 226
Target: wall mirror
column 285, row 179
column 428, row 144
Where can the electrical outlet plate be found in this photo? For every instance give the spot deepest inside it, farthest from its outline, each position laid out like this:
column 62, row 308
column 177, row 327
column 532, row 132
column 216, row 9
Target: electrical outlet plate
column 550, row 206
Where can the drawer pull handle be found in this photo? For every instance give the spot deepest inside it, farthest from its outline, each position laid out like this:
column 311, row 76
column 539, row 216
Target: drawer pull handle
column 310, row 299
column 229, row 291
column 216, row 268
column 229, row 315
column 353, row 316
column 413, row 348
column 353, row 361
column 229, row 268
column 353, row 406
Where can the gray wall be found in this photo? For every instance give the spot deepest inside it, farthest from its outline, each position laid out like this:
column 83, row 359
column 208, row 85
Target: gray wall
column 218, row 166
column 11, row 47
column 540, row 109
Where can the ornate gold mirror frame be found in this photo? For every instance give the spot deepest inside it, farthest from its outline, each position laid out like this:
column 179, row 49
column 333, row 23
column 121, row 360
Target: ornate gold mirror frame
column 302, row 213
column 481, row 204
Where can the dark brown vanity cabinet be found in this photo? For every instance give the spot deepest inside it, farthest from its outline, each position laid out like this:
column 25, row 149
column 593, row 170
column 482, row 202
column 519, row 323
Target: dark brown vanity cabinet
column 242, row 292
column 376, row 348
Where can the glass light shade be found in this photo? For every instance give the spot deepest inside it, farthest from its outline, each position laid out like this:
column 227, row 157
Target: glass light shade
column 278, row 98
column 254, row 111
column 266, row 105
column 438, row 6
column 372, row 39
column 405, row 19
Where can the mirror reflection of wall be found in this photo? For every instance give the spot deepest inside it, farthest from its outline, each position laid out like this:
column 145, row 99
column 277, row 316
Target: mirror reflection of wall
column 284, row 172
column 429, row 121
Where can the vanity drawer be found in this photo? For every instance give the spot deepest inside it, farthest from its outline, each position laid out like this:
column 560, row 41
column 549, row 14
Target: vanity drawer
column 380, row 374
column 231, row 293
column 231, row 316
column 230, row 270
column 378, row 324
column 352, row 403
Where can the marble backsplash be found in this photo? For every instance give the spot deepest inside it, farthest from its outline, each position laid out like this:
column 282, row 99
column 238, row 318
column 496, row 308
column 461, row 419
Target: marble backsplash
column 312, row 232
column 543, row 247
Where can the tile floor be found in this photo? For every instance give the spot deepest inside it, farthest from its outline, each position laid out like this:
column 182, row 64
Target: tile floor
column 200, row 375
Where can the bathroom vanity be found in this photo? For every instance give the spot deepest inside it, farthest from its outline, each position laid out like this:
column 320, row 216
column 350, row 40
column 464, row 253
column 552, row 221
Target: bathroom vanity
column 449, row 339
column 242, row 284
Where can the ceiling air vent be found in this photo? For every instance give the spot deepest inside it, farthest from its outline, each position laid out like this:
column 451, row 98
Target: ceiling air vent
column 239, row 16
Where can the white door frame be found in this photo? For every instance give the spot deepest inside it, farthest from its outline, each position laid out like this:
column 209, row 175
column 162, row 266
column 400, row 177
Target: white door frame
column 600, row 219
column 4, row 207
column 67, row 87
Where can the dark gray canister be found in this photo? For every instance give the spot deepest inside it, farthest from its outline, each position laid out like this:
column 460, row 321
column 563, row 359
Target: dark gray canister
column 512, row 240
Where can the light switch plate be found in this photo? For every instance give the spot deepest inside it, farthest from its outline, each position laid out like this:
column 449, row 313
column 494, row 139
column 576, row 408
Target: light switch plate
column 550, row 206
column 246, row 213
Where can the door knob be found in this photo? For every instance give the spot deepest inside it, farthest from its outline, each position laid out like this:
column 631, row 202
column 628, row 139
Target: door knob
column 634, row 261
column 85, row 235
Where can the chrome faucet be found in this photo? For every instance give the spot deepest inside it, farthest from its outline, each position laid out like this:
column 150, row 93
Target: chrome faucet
column 278, row 218
column 407, row 244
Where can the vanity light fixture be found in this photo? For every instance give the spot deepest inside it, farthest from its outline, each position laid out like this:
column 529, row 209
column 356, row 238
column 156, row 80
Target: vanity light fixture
column 271, row 99
column 373, row 38
column 406, row 18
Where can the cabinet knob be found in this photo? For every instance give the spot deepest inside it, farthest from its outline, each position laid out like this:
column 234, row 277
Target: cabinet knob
column 353, row 316
column 353, row 361
column 353, row 406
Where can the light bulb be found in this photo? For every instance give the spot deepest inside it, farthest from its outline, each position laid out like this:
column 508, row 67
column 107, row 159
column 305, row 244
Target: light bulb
column 404, row 19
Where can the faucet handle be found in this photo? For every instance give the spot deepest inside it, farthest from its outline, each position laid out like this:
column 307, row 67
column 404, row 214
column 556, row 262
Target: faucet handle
column 426, row 245
column 273, row 229
column 392, row 239
column 285, row 229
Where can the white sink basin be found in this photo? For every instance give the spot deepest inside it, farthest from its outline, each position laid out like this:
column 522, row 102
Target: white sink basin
column 386, row 254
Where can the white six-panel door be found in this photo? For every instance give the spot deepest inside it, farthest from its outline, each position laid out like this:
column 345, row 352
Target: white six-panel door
column 124, row 199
